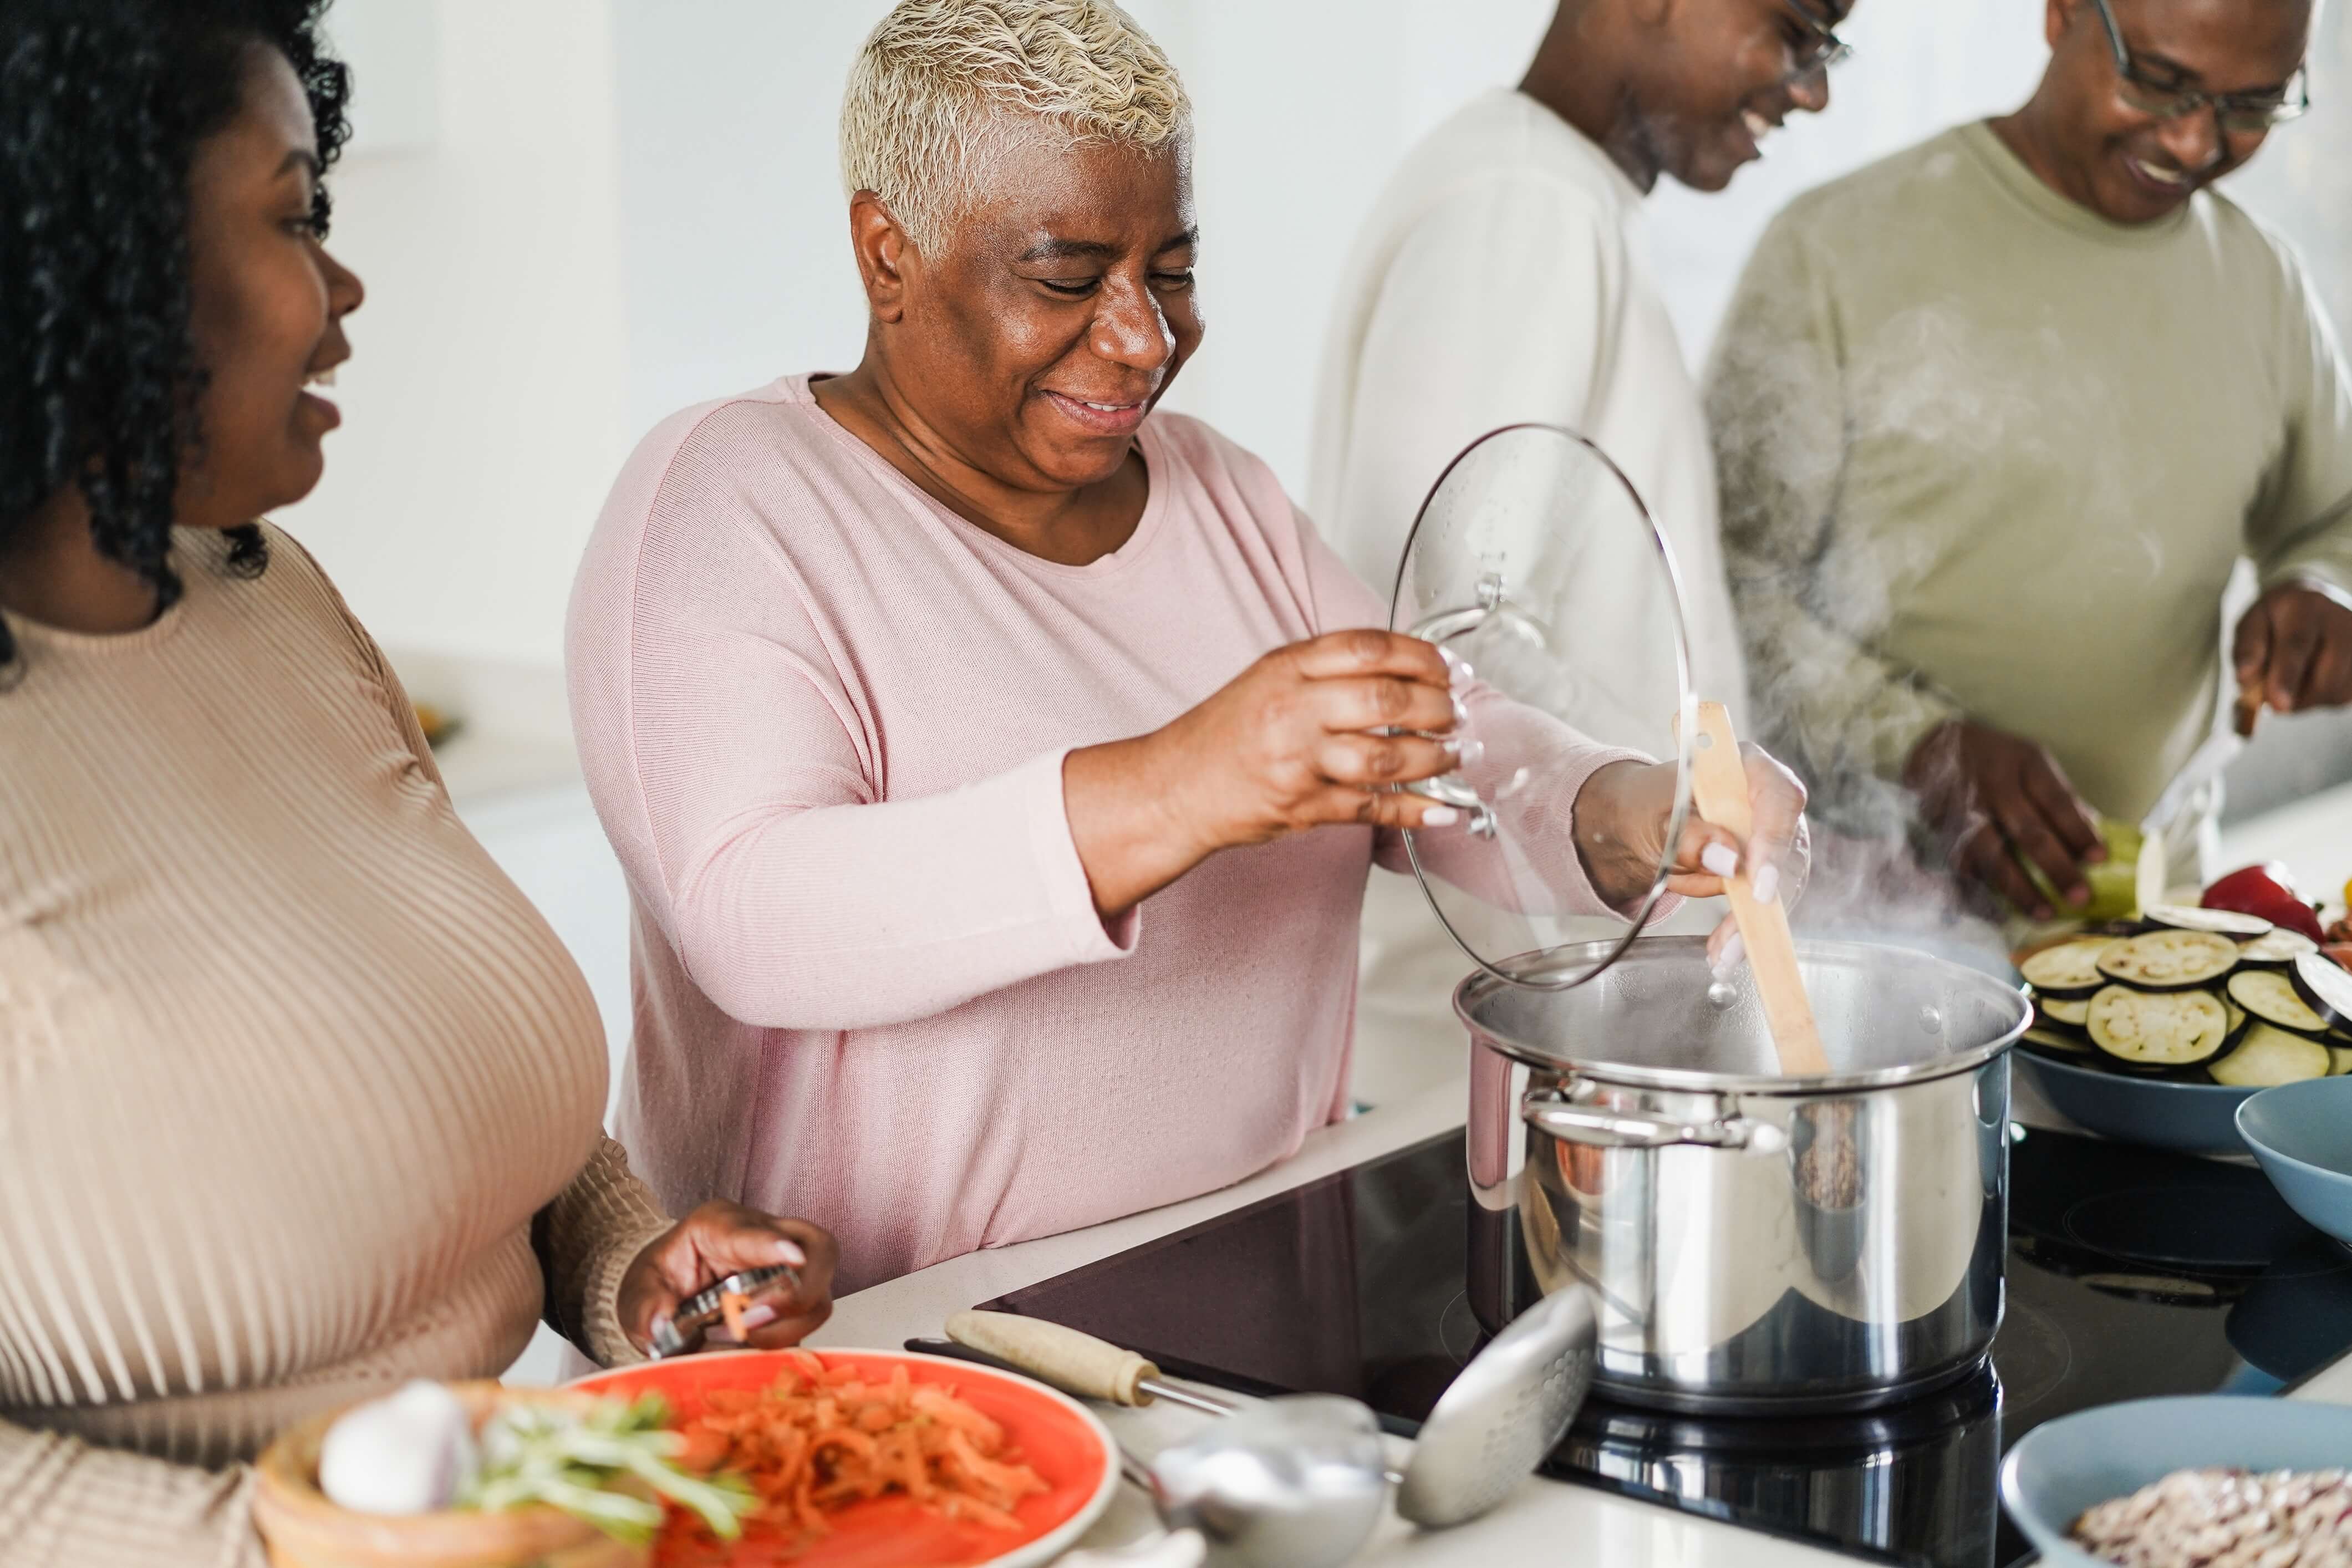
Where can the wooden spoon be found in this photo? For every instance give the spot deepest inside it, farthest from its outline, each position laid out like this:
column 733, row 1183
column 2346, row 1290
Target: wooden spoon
column 1719, row 790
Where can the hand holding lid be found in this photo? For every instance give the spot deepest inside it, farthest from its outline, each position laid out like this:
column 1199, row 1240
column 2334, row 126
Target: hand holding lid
column 1536, row 570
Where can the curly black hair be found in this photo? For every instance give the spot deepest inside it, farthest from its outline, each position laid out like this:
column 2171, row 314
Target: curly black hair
column 103, row 104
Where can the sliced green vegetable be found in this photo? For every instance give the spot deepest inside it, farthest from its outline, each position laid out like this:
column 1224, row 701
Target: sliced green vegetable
column 567, row 1459
column 2148, row 1031
column 2064, row 1043
column 2068, row 971
column 2113, row 882
column 2269, row 996
column 2169, row 960
column 2222, row 923
column 2268, row 1057
column 2074, row 1014
column 2281, row 946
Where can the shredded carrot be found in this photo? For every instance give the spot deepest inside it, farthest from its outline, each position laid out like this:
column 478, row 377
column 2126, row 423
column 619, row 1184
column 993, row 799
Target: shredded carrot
column 731, row 1307
column 819, row 1439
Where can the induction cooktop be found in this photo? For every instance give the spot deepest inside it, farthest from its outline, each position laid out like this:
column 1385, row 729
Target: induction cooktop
column 2131, row 1273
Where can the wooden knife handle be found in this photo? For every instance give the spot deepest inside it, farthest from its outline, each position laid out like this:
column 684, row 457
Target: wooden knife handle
column 1719, row 790
column 1072, row 1362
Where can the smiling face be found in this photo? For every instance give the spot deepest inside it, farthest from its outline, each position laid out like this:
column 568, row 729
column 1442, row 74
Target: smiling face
column 266, row 304
column 1721, row 79
column 2125, row 163
column 1057, row 313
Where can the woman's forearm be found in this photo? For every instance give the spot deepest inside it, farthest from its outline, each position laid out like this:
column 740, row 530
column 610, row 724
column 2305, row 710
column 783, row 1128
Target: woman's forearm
column 1128, row 833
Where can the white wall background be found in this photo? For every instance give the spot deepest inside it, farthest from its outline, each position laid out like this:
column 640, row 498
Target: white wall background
column 577, row 216
column 486, row 406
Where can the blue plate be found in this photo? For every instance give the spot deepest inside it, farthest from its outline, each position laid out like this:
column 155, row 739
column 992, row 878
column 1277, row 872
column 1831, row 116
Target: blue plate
column 2301, row 1133
column 2060, row 1469
column 2194, row 1118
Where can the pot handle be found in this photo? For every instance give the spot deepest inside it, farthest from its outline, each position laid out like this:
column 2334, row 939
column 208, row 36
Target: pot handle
column 1576, row 1124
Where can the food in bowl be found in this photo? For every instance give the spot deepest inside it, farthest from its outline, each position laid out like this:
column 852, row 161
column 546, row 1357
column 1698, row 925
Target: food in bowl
column 820, row 1438
column 2192, row 996
column 2224, row 1517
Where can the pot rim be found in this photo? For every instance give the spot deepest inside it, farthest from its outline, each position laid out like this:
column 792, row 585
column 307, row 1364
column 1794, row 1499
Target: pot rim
column 1479, row 987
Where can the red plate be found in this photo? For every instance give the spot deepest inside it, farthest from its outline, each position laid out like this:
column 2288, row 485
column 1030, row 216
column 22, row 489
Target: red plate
column 1057, row 1436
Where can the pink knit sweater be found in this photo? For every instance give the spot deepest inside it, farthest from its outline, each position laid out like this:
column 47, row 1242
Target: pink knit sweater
column 824, row 722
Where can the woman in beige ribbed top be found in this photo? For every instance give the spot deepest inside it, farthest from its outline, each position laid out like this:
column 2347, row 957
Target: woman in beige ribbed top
column 299, row 1097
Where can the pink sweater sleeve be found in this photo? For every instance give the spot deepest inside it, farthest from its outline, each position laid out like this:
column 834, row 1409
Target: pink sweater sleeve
column 731, row 764
column 1535, row 868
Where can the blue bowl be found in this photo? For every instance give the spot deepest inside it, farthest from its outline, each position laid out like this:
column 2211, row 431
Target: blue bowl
column 2301, row 1133
column 2065, row 1467
column 2194, row 1118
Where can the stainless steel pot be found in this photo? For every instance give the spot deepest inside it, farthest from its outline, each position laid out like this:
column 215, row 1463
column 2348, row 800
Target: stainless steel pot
column 1752, row 1242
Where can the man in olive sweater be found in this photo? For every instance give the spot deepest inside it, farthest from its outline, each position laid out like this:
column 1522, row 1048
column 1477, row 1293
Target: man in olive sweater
column 1996, row 417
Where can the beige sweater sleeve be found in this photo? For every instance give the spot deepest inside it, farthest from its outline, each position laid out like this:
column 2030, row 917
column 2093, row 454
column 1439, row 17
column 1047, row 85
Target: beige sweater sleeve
column 1775, row 396
column 65, row 1504
column 586, row 1239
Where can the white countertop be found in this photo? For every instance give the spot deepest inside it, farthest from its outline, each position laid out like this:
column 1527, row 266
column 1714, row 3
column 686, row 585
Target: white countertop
column 1544, row 1518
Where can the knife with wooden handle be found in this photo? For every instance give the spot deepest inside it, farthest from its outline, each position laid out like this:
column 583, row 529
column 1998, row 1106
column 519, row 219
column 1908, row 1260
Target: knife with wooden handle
column 1719, row 790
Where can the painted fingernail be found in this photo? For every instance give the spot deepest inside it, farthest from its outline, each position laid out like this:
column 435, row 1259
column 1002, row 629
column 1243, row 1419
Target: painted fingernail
column 1766, row 884
column 1735, row 953
column 663, row 1324
column 1461, row 713
column 1473, row 752
column 759, row 1317
column 789, row 1251
column 1451, row 745
column 1720, row 859
column 1440, row 816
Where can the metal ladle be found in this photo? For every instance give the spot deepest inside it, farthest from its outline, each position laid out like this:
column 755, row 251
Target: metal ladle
column 1508, row 1409
column 1294, row 1482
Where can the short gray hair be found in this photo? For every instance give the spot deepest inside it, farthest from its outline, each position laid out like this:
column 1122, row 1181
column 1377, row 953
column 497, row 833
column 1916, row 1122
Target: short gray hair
column 940, row 78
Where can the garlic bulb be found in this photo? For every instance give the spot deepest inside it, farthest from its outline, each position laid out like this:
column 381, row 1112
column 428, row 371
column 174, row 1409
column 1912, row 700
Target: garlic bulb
column 408, row 1453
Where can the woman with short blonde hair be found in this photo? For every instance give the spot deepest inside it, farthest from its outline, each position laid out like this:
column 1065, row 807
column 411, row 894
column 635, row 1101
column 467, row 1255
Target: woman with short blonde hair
column 997, row 762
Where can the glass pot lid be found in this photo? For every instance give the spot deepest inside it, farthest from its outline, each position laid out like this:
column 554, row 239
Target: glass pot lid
column 1535, row 562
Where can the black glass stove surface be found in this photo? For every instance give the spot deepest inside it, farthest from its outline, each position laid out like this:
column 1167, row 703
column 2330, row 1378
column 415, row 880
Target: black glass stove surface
column 2132, row 1273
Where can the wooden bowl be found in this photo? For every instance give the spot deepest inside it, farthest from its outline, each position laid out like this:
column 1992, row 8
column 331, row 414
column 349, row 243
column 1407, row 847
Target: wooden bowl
column 303, row 1529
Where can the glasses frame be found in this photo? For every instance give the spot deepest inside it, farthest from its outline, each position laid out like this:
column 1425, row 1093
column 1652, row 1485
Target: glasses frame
column 1828, row 50
column 2232, row 111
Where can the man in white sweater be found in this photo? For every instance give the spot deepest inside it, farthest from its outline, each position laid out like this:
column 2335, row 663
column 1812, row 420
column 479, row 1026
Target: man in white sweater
column 1501, row 278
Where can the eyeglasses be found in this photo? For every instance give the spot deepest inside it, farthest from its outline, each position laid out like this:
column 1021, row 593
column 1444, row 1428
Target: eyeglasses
column 1822, row 47
column 2243, row 113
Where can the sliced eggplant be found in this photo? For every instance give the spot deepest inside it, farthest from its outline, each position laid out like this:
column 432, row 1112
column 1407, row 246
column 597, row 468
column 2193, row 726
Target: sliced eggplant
column 2222, row 923
column 2159, row 1031
column 2268, row 1057
column 2067, row 1043
column 2270, row 997
column 2326, row 986
column 2169, row 960
column 2058, row 1010
column 2282, row 947
column 2070, row 970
